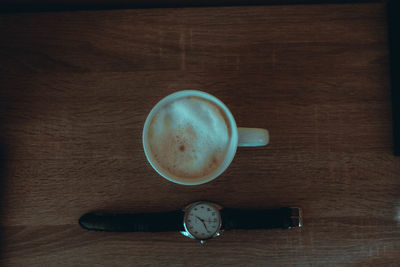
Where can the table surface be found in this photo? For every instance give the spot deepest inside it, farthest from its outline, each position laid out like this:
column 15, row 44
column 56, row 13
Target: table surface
column 76, row 88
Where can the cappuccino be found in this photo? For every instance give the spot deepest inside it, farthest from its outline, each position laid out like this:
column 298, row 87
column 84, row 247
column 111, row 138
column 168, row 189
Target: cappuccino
column 189, row 137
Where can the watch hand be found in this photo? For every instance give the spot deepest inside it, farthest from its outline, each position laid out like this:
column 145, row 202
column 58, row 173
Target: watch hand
column 205, row 226
column 199, row 218
column 202, row 222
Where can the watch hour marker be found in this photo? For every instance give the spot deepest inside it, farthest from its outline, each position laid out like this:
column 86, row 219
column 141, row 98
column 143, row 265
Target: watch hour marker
column 208, row 209
column 195, row 208
column 202, row 207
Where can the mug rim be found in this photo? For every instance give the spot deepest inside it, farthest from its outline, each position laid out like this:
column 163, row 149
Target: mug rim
column 231, row 149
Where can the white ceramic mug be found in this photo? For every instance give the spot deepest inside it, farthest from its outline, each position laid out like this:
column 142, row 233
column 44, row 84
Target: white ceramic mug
column 248, row 137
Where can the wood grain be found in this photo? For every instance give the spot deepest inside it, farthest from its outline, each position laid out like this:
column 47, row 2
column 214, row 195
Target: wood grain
column 65, row 5
column 76, row 88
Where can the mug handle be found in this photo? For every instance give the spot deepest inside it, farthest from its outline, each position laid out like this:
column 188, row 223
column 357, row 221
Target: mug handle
column 253, row 136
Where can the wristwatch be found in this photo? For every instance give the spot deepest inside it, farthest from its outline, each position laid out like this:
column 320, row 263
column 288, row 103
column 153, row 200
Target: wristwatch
column 201, row 220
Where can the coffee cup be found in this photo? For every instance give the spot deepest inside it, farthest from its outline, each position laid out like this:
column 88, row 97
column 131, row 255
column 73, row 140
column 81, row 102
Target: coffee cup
column 190, row 137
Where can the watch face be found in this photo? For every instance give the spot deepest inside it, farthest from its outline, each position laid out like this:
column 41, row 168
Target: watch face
column 202, row 220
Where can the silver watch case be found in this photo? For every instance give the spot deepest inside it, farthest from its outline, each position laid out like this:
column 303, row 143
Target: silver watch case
column 186, row 231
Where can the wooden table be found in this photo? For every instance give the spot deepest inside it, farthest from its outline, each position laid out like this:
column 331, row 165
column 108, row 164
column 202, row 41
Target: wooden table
column 76, row 88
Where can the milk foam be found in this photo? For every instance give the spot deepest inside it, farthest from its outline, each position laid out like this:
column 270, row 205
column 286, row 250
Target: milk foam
column 189, row 137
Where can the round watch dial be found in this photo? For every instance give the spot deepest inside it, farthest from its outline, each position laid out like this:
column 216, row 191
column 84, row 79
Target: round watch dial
column 202, row 220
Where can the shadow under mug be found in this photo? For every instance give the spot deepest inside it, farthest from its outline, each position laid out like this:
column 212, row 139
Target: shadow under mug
column 245, row 137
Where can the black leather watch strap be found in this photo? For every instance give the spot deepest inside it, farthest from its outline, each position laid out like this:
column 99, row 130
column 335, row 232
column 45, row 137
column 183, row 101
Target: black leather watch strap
column 260, row 219
column 139, row 222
